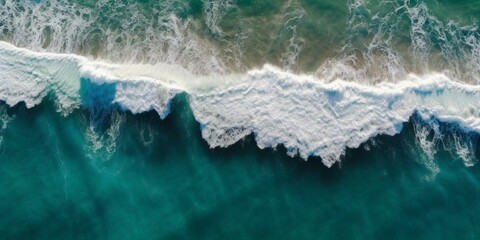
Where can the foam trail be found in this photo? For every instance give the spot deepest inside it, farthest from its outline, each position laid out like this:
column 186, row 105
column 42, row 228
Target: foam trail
column 5, row 119
column 427, row 136
column 371, row 50
column 309, row 116
column 292, row 13
column 215, row 11
column 106, row 141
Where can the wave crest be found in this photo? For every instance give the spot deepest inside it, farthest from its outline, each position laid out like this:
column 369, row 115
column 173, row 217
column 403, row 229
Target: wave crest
column 309, row 116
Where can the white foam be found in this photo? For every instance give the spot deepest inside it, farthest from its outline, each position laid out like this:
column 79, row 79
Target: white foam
column 28, row 76
column 309, row 116
column 313, row 118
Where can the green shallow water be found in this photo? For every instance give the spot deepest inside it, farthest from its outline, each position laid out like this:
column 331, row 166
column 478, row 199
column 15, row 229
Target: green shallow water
column 172, row 186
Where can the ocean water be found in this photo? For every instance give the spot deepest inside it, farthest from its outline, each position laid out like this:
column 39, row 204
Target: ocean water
column 239, row 119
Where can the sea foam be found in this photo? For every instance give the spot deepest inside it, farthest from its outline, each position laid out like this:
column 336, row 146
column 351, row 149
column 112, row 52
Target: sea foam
column 313, row 118
column 309, row 116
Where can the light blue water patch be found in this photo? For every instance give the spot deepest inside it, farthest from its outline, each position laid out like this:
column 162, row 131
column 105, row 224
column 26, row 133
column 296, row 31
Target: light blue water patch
column 423, row 93
column 98, row 99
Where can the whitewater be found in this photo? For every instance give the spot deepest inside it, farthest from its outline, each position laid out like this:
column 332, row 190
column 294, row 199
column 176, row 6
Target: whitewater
column 310, row 117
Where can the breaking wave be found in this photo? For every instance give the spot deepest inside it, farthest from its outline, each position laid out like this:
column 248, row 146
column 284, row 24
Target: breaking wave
column 307, row 115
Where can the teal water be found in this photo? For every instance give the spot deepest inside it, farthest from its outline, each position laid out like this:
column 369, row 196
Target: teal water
column 237, row 35
column 85, row 153
column 174, row 186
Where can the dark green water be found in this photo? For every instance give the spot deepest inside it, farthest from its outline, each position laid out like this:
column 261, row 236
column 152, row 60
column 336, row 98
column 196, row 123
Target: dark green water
column 175, row 187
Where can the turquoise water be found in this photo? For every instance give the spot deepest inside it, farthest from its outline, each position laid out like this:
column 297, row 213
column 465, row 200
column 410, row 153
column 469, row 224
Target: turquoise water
column 176, row 187
column 239, row 119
